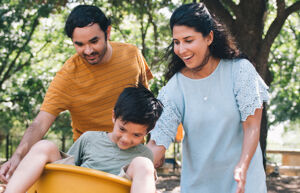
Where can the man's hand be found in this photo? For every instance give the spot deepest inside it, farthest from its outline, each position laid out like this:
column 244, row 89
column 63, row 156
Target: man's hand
column 2, row 188
column 35, row 132
column 8, row 168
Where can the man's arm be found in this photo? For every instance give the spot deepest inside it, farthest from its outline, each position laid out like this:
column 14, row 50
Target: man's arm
column 35, row 132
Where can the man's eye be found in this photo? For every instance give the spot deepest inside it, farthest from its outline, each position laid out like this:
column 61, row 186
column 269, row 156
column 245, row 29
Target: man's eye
column 94, row 41
column 189, row 41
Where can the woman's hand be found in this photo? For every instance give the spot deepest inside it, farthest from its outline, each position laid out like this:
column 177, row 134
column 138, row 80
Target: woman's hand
column 240, row 175
column 158, row 153
column 251, row 128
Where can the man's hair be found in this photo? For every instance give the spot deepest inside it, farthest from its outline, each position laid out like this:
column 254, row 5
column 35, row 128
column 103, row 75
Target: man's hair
column 84, row 15
column 138, row 105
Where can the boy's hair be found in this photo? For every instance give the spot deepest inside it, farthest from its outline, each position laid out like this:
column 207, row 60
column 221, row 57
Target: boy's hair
column 137, row 104
column 84, row 15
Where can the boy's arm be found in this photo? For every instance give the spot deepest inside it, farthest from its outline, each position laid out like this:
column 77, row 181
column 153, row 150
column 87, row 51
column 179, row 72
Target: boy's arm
column 77, row 149
column 34, row 133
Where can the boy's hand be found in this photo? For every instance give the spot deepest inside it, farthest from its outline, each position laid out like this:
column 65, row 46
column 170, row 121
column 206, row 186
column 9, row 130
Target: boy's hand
column 240, row 178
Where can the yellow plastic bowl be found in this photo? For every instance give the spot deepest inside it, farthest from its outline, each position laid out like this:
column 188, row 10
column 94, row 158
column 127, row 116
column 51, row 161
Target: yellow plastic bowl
column 59, row 178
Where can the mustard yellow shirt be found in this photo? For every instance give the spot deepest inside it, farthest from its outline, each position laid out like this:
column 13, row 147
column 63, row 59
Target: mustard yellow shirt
column 89, row 92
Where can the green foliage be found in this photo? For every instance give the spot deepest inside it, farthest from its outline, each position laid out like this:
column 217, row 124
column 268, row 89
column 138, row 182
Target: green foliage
column 18, row 23
column 284, row 62
column 27, row 61
column 156, row 84
column 143, row 23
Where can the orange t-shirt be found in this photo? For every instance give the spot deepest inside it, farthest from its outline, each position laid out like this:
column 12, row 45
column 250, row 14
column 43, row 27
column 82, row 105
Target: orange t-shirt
column 89, row 92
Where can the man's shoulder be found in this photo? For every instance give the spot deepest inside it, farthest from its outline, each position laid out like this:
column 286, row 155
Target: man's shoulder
column 126, row 47
column 73, row 64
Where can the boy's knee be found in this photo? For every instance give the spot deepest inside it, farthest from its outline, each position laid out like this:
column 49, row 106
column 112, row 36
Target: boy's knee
column 142, row 164
column 44, row 147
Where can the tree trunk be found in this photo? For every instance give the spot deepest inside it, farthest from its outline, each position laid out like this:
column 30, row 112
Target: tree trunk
column 63, row 143
column 7, row 147
column 264, row 134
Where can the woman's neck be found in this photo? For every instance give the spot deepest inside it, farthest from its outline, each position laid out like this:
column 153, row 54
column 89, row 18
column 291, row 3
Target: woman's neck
column 207, row 70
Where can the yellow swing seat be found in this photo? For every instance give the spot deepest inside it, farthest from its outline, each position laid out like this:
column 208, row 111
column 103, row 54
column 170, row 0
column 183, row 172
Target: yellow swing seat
column 59, row 178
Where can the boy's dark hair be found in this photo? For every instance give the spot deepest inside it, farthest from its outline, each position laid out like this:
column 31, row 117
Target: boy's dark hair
column 84, row 15
column 137, row 104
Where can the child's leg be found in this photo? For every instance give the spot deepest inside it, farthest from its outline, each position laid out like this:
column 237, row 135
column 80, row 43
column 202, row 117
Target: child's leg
column 141, row 170
column 31, row 167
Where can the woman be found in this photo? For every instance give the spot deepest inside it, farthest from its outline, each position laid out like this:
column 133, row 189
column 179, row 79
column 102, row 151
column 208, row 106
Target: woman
column 217, row 95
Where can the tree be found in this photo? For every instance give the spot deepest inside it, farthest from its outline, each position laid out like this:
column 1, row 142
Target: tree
column 18, row 23
column 284, row 62
column 62, row 127
column 246, row 19
column 25, row 65
column 140, row 22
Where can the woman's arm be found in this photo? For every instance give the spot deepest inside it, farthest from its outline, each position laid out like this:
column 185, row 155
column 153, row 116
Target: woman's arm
column 251, row 129
column 158, row 153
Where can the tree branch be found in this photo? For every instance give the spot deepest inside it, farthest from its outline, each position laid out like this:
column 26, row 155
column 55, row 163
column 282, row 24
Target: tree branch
column 27, row 63
column 233, row 7
column 215, row 6
column 280, row 7
column 12, row 64
column 278, row 22
column 293, row 8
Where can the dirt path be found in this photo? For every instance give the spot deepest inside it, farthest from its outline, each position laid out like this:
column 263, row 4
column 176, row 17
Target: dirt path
column 283, row 184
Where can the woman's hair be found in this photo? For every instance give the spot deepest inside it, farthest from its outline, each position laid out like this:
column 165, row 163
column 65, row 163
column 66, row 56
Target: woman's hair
column 196, row 16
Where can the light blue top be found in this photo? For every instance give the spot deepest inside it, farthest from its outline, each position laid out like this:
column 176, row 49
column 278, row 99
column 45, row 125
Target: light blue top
column 212, row 110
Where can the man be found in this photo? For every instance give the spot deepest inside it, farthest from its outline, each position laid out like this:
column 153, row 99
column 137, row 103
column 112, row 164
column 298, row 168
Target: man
column 88, row 84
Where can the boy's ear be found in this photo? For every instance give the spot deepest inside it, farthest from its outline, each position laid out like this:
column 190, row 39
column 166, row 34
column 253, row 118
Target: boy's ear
column 113, row 116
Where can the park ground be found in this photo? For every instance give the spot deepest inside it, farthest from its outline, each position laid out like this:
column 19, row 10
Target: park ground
column 283, row 184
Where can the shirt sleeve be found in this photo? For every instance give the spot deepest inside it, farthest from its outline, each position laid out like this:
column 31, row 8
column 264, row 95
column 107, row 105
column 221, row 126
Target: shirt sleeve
column 166, row 127
column 77, row 149
column 57, row 98
column 249, row 89
column 146, row 73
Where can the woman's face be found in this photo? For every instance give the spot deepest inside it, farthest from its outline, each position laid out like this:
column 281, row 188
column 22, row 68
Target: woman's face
column 191, row 47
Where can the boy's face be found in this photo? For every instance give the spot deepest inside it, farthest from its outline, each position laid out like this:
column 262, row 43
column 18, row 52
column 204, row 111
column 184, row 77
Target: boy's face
column 127, row 135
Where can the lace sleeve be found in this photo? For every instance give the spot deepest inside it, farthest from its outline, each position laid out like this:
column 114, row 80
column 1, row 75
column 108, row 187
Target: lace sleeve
column 166, row 127
column 249, row 88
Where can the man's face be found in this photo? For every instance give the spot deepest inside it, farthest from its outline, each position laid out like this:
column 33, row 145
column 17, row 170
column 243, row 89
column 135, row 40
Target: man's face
column 90, row 43
column 127, row 135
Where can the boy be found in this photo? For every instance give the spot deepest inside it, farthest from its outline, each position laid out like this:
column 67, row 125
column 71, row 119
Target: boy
column 135, row 114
